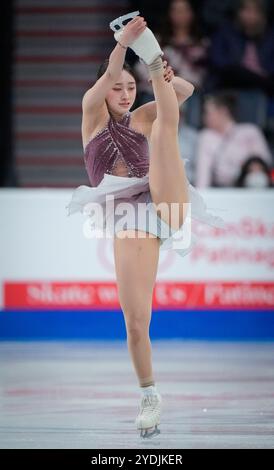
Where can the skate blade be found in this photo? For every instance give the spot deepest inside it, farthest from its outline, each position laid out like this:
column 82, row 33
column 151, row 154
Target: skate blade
column 145, row 433
column 118, row 22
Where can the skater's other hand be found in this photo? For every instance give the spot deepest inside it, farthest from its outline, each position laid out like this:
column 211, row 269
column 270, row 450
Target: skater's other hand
column 168, row 72
column 133, row 30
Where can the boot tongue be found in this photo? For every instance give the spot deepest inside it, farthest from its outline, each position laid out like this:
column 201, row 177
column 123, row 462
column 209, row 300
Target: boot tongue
column 149, row 398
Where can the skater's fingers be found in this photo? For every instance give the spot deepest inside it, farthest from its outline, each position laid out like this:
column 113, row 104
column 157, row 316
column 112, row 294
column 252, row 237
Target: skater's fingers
column 140, row 28
column 136, row 18
column 134, row 21
column 144, row 27
column 168, row 75
column 141, row 23
column 138, row 23
column 142, row 20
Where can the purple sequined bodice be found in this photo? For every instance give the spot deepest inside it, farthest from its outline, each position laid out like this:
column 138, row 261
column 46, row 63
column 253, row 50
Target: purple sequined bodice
column 118, row 150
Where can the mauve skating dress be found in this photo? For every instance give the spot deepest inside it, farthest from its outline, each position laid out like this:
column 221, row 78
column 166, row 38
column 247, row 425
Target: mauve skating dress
column 120, row 149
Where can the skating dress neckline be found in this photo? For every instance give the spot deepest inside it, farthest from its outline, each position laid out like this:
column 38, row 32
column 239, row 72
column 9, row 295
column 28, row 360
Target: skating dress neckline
column 117, row 149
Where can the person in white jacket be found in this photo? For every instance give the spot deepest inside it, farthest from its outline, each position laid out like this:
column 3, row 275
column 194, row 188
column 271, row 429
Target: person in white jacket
column 224, row 144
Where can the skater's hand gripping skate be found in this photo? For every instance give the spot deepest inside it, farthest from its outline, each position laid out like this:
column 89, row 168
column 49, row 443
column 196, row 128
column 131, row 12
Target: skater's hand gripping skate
column 132, row 31
column 137, row 36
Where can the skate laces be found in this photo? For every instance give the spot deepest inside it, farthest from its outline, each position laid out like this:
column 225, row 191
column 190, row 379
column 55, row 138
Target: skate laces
column 150, row 403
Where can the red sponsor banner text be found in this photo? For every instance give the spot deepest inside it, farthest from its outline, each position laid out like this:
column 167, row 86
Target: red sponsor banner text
column 169, row 295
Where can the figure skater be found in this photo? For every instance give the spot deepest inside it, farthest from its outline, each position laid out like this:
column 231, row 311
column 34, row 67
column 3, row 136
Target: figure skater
column 135, row 155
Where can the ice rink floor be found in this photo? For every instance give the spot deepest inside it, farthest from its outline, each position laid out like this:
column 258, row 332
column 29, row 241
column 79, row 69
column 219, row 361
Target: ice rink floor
column 86, row 395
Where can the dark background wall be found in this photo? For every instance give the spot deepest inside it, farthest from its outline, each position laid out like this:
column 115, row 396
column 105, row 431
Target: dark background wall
column 7, row 174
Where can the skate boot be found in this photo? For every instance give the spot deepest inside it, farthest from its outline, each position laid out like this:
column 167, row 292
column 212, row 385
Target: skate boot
column 149, row 415
column 145, row 46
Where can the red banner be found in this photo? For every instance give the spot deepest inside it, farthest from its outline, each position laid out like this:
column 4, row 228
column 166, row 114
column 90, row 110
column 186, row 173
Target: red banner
column 169, row 295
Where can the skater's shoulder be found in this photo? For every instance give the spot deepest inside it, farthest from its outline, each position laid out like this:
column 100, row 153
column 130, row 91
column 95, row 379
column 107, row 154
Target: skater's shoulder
column 139, row 124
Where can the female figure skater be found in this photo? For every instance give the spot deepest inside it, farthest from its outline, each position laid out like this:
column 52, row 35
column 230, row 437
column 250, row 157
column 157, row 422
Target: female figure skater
column 119, row 161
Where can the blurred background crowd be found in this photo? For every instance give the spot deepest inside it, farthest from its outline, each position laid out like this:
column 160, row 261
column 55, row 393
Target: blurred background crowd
column 226, row 49
column 51, row 53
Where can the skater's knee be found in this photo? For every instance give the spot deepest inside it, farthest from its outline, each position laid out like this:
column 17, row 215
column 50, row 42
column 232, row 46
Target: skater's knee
column 137, row 325
column 134, row 335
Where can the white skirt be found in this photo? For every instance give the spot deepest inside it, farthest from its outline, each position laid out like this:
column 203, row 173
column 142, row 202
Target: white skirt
column 133, row 190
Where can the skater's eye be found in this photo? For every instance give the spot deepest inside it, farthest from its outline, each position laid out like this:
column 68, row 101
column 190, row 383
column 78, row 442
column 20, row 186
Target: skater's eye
column 119, row 89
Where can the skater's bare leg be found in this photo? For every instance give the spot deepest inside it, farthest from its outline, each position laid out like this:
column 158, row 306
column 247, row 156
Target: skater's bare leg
column 136, row 262
column 167, row 177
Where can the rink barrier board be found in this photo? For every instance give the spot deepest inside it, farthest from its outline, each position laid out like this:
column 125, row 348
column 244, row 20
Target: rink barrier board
column 200, row 324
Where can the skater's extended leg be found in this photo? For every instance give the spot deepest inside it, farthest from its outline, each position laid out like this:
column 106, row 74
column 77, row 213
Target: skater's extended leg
column 167, row 176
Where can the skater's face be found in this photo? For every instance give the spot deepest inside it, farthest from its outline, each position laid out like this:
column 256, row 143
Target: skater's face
column 122, row 95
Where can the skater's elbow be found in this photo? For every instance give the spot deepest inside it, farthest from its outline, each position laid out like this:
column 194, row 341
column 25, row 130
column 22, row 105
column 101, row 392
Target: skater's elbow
column 183, row 96
column 188, row 87
column 183, row 87
column 191, row 89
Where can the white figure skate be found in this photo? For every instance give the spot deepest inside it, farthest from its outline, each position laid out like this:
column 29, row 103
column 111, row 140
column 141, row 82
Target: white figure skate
column 149, row 415
column 146, row 46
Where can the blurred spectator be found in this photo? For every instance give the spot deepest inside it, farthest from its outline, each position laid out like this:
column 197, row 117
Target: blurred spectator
column 214, row 12
column 255, row 173
column 188, row 141
column 183, row 45
column 225, row 144
column 241, row 52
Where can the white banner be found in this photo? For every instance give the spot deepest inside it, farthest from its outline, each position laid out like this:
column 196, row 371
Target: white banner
column 42, row 250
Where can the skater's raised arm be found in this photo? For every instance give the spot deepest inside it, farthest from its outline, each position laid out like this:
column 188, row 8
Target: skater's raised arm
column 95, row 96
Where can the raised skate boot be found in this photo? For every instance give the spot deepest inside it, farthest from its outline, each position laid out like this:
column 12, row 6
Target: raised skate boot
column 145, row 46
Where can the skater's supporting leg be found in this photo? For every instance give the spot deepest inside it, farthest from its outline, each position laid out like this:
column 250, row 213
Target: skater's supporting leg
column 136, row 262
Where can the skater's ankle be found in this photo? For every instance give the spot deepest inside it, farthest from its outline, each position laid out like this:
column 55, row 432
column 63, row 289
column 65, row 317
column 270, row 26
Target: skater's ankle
column 148, row 390
column 156, row 68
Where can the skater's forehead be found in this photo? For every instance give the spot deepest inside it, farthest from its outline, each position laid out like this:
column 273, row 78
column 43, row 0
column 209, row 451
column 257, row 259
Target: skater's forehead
column 125, row 78
column 121, row 83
